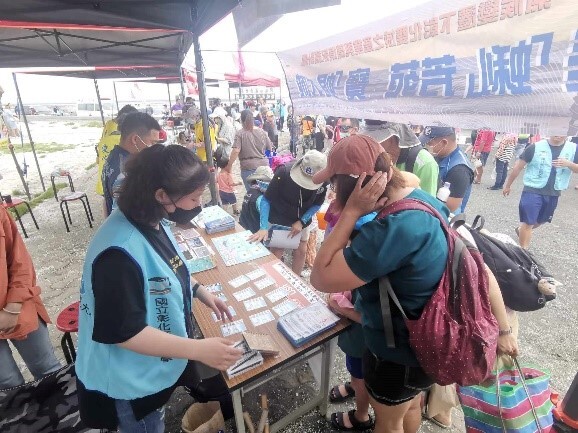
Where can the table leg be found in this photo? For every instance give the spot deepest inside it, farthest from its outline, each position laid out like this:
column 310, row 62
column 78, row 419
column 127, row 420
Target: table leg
column 238, row 408
column 325, row 378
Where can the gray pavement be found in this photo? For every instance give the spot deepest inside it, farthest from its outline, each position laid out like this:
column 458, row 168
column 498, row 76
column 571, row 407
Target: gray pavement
column 548, row 338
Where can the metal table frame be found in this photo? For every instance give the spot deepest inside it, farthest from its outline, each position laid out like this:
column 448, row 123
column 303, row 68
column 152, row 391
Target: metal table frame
column 320, row 400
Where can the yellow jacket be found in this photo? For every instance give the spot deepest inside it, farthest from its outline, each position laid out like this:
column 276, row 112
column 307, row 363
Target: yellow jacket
column 200, row 138
column 109, row 139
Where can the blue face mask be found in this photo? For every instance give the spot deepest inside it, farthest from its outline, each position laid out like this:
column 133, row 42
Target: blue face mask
column 263, row 185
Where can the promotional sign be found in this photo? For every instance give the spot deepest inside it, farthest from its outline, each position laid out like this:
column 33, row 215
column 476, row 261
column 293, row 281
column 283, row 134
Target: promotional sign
column 508, row 65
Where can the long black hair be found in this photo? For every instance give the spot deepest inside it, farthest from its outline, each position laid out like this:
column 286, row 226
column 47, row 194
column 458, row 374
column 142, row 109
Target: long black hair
column 173, row 168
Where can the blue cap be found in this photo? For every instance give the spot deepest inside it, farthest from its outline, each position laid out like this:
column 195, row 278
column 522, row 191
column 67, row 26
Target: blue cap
column 431, row 132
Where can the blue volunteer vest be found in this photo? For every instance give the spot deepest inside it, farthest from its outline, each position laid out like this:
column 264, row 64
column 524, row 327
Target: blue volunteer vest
column 120, row 373
column 457, row 157
column 538, row 170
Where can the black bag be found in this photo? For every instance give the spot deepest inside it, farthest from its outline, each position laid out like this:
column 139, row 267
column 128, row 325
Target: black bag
column 46, row 405
column 409, row 156
column 516, row 270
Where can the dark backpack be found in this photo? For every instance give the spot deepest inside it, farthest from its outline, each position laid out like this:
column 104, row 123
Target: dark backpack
column 516, row 270
column 408, row 155
column 455, row 338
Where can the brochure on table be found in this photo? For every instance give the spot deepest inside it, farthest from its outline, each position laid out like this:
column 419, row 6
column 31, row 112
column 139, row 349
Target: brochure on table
column 198, row 255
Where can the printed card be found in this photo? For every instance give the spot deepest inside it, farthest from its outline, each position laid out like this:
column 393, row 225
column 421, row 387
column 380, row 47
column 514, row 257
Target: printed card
column 255, row 303
column 231, row 310
column 233, row 328
column 256, row 274
column 214, row 288
column 277, row 294
column 244, row 294
column 261, row 318
column 239, row 281
column 285, row 307
column 264, row 283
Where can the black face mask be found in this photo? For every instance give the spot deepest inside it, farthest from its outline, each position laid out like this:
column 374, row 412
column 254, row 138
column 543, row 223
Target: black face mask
column 183, row 216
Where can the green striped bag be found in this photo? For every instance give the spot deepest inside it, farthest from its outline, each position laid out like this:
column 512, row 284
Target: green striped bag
column 517, row 402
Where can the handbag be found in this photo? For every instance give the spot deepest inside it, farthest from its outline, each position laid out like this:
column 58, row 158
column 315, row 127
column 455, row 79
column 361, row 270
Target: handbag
column 46, row 405
column 515, row 400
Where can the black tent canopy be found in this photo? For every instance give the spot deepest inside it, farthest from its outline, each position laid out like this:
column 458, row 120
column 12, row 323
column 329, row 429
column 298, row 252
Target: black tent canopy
column 97, row 33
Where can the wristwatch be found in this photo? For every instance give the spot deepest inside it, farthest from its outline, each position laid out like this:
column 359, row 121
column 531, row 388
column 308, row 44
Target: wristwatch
column 508, row 332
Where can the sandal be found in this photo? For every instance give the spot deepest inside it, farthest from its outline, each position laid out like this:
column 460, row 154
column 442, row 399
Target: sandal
column 436, row 422
column 336, row 397
column 337, row 422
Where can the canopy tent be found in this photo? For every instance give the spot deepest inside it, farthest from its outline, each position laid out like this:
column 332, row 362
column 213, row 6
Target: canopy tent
column 108, row 32
column 467, row 64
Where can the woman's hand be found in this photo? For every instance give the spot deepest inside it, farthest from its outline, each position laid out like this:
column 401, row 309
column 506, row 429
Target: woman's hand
column 507, row 344
column 259, row 236
column 217, row 352
column 367, row 199
column 218, row 306
column 8, row 322
column 296, row 228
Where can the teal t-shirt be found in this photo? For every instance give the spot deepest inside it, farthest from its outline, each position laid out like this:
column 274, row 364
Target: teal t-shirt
column 411, row 248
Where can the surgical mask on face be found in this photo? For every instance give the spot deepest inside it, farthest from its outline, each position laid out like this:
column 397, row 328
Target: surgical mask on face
column 345, row 134
column 184, row 216
column 431, row 149
column 141, row 140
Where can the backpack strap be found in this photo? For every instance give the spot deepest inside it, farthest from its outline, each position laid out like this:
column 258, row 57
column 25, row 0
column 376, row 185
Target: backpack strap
column 385, row 291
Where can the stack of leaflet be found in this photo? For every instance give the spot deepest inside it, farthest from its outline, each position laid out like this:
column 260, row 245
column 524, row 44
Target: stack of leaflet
column 215, row 219
column 304, row 324
column 249, row 360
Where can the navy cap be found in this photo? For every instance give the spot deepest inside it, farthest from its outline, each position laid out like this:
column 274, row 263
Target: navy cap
column 432, row 132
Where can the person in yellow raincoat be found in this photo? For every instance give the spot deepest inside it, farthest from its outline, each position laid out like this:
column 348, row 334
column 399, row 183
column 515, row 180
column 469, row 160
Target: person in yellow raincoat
column 109, row 139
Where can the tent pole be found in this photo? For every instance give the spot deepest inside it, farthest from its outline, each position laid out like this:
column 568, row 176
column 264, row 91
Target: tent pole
column 28, row 130
column 115, row 97
column 183, row 83
column 169, row 92
column 205, row 117
column 19, row 170
column 230, row 100
column 99, row 101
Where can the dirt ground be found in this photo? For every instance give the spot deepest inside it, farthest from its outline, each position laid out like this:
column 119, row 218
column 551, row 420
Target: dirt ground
column 548, row 337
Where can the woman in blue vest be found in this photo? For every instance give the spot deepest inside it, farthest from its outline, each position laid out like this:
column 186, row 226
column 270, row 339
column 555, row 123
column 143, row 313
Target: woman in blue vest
column 135, row 327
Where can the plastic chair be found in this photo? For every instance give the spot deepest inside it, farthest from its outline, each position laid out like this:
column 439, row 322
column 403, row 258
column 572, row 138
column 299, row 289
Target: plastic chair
column 75, row 195
column 67, row 322
column 12, row 204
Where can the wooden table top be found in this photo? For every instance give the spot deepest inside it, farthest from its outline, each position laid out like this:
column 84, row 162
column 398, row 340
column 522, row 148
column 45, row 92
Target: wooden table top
column 223, row 274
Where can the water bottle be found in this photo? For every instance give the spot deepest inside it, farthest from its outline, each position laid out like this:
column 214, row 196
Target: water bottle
column 444, row 192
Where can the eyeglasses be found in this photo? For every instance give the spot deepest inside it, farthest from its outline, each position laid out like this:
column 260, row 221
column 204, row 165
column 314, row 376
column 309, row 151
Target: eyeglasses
column 344, row 128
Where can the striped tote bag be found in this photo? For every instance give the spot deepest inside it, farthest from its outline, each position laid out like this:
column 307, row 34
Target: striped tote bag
column 514, row 400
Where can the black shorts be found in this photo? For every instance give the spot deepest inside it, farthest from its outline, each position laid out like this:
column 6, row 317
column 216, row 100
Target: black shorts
column 392, row 384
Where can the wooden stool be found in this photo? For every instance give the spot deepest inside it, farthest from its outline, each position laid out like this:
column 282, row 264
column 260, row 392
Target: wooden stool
column 76, row 195
column 12, row 205
column 67, row 322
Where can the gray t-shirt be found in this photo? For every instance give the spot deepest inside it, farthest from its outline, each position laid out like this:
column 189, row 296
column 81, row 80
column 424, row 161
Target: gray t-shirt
column 252, row 146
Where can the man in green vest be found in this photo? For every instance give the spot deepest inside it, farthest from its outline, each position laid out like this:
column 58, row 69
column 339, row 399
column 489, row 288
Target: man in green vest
column 549, row 165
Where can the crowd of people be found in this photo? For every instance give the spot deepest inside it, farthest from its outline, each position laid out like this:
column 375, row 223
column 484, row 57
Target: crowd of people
column 135, row 338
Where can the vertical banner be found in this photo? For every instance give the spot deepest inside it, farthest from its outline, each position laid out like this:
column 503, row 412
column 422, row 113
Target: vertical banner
column 509, row 65
column 191, row 82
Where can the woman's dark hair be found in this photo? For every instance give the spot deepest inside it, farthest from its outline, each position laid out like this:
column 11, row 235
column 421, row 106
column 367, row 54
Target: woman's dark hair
column 246, row 114
column 173, row 168
column 345, row 184
column 127, row 109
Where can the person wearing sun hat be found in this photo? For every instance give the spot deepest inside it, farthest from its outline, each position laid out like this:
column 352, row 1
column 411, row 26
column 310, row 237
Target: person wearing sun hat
column 294, row 198
column 405, row 149
column 410, row 248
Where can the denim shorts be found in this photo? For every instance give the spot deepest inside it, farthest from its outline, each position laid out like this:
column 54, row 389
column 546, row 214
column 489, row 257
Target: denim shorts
column 393, row 384
column 227, row 197
column 537, row 208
